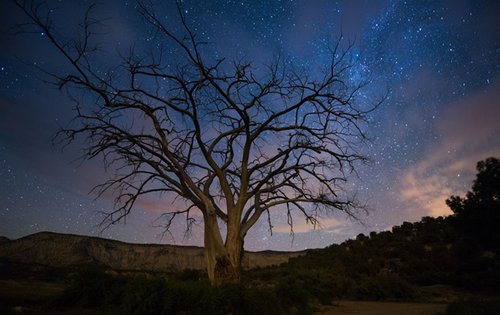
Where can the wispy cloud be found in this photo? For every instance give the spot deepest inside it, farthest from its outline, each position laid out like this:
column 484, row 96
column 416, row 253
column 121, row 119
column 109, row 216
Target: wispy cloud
column 469, row 132
column 301, row 226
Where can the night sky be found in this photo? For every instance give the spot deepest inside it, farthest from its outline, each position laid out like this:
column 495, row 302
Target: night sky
column 437, row 61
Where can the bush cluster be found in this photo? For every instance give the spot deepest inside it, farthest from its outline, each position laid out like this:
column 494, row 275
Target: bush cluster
column 148, row 294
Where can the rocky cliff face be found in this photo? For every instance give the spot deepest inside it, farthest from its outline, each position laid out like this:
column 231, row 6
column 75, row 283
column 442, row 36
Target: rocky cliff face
column 63, row 250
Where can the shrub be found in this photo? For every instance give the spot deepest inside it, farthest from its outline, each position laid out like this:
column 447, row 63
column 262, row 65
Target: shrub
column 383, row 287
column 293, row 295
column 92, row 287
column 146, row 294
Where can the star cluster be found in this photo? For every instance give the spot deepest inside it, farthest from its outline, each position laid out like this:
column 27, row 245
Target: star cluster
column 436, row 62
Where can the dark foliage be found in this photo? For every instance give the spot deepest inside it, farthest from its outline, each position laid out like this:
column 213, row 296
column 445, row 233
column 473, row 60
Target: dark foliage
column 478, row 213
column 392, row 265
column 147, row 294
column 460, row 250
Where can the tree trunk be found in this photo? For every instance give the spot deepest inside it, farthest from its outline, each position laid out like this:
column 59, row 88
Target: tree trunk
column 223, row 260
column 234, row 246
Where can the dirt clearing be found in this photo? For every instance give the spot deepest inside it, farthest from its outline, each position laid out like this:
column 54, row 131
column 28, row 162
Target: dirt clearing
column 381, row 308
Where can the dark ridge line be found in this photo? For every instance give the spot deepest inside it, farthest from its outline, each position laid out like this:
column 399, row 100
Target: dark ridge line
column 97, row 238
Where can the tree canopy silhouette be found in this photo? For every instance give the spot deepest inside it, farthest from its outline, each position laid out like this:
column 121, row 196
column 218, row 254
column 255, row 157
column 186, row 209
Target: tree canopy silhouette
column 478, row 213
column 230, row 140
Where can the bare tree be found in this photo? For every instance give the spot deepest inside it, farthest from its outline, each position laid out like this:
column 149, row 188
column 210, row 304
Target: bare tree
column 233, row 141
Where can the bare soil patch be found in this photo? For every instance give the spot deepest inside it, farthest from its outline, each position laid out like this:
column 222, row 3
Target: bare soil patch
column 381, row 308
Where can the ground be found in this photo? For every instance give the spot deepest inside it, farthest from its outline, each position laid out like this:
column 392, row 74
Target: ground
column 381, row 308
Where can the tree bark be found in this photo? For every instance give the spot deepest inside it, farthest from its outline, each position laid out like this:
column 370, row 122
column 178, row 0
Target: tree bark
column 223, row 260
column 234, row 246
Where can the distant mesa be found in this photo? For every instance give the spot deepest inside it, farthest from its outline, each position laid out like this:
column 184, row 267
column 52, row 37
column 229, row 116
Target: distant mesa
column 66, row 250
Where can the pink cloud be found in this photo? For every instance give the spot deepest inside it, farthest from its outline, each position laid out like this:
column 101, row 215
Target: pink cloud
column 469, row 132
column 301, row 226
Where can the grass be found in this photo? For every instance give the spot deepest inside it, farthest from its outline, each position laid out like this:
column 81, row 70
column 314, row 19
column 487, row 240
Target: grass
column 29, row 290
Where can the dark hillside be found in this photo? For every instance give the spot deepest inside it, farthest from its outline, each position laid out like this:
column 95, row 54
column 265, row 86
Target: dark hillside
column 461, row 251
column 396, row 264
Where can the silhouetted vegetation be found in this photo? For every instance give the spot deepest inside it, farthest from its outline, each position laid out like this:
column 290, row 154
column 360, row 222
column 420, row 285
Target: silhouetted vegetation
column 477, row 215
column 402, row 264
column 393, row 265
column 459, row 251
column 160, row 294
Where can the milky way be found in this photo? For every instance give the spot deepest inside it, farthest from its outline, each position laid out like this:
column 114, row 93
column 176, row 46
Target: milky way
column 435, row 61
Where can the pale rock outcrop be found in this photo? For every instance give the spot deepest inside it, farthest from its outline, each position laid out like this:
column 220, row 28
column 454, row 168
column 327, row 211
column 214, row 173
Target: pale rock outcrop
column 63, row 250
